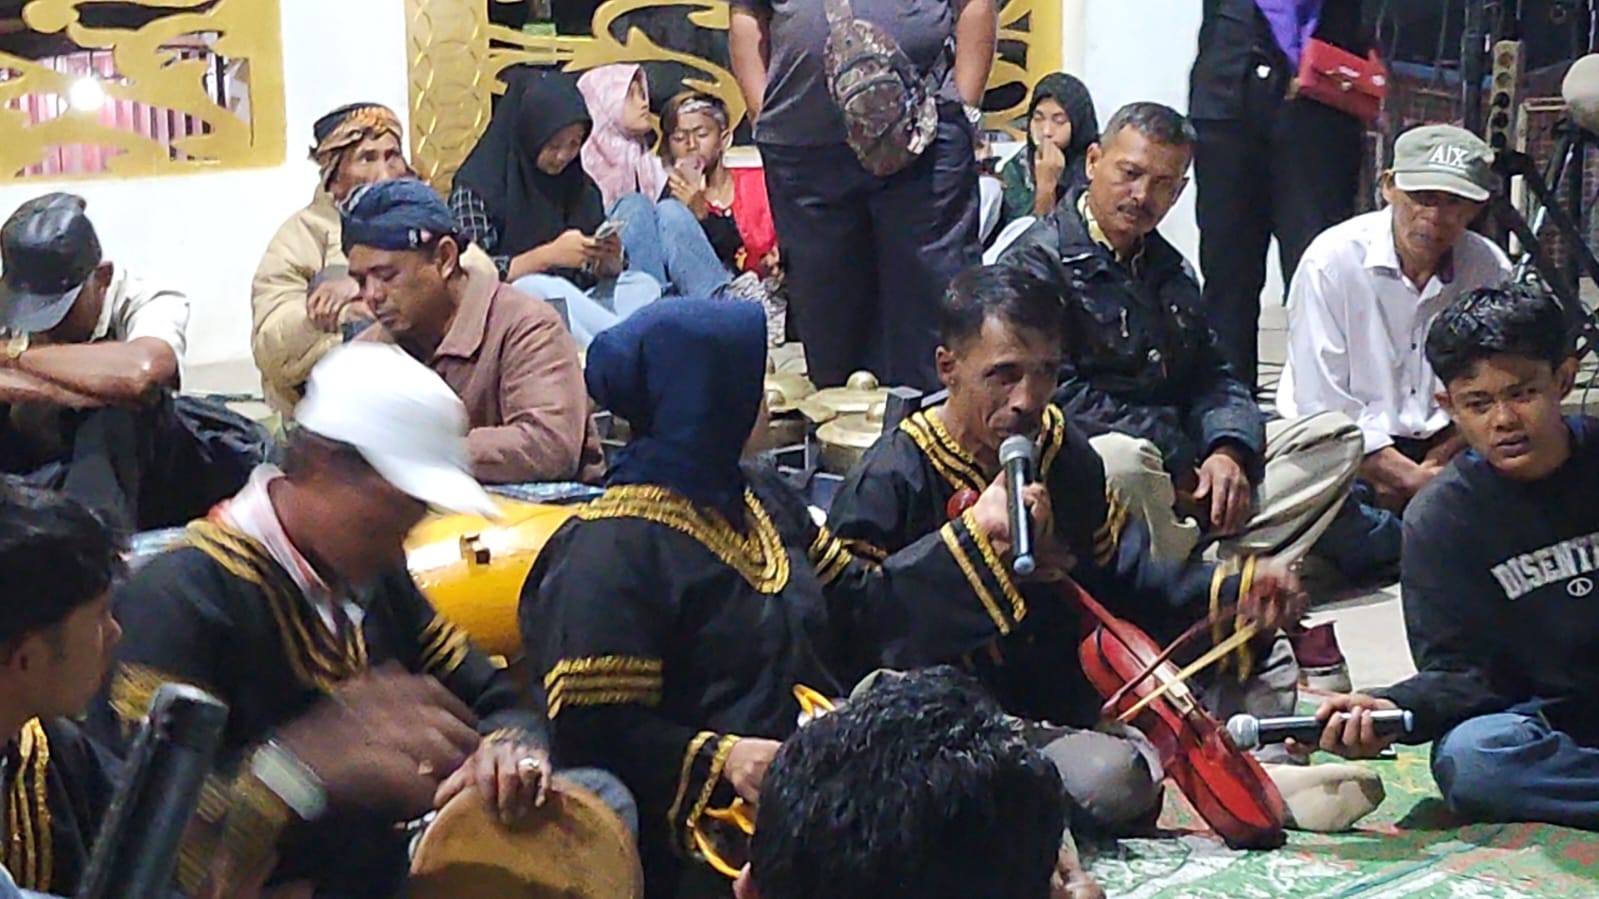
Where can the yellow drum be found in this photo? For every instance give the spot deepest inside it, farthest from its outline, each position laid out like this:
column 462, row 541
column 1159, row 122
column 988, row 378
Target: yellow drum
column 472, row 569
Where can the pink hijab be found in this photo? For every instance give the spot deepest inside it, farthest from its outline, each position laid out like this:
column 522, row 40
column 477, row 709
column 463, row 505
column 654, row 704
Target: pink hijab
column 619, row 163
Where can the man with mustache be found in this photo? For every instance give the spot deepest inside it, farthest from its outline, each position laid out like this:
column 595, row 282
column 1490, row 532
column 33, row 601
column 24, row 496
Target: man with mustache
column 1358, row 310
column 999, row 353
column 505, row 353
column 1183, row 442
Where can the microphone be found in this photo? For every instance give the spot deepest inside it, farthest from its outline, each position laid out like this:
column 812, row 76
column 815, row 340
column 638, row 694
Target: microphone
column 1016, row 456
column 1250, row 732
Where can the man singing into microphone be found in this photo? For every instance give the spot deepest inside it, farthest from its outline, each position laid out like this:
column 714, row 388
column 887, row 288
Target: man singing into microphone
column 1001, row 346
column 1497, row 575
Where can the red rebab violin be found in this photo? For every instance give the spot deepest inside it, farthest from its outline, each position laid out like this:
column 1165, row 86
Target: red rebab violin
column 1142, row 687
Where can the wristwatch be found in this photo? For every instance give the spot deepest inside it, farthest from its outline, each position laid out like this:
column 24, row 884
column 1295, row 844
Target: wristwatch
column 290, row 779
column 974, row 114
column 15, row 346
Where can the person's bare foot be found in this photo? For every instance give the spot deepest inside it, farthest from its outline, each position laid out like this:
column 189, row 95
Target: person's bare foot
column 1071, row 880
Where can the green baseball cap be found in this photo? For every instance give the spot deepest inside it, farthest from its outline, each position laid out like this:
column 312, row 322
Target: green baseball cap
column 1444, row 158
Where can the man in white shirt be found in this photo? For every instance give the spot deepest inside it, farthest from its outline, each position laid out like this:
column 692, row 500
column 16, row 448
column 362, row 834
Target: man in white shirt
column 1358, row 311
column 88, row 364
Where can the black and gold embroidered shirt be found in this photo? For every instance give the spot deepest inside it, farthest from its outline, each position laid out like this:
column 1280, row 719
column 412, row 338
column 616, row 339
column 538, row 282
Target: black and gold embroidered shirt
column 57, row 785
column 900, row 492
column 662, row 633
column 222, row 615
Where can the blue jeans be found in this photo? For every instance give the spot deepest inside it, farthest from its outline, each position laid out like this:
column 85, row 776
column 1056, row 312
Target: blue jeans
column 1362, row 540
column 665, row 241
column 588, row 312
column 1512, row 766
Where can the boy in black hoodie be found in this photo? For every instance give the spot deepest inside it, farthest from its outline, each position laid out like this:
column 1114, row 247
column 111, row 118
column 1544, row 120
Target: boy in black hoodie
column 1498, row 574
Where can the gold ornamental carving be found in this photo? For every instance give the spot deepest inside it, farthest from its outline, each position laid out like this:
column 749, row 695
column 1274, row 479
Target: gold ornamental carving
column 150, row 69
column 456, row 56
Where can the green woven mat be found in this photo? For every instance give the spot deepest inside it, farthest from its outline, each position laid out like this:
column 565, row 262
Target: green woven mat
column 1411, row 846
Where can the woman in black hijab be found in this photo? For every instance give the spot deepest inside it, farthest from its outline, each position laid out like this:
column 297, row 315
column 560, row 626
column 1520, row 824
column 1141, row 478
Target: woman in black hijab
column 522, row 196
column 1061, row 126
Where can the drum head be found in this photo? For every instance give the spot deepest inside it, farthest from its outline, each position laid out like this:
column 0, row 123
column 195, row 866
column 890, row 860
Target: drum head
column 574, row 847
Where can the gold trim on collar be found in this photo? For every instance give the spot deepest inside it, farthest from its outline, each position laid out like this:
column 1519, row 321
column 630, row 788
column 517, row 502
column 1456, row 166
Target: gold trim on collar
column 28, row 851
column 958, row 466
column 318, row 658
column 758, row 554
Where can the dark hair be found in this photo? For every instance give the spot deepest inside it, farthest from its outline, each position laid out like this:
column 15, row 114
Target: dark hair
column 56, row 554
column 1156, row 121
column 306, row 450
column 1010, row 294
column 917, row 789
column 672, row 111
column 1511, row 320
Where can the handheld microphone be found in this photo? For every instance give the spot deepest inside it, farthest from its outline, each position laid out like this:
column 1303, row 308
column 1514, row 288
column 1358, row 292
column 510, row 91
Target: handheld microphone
column 1016, row 456
column 1250, row 732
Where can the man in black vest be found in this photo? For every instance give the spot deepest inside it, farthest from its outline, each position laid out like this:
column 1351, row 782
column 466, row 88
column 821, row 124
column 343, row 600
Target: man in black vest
column 1267, row 164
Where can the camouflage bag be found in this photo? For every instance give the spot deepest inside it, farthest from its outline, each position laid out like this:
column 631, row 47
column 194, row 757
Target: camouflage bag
column 890, row 111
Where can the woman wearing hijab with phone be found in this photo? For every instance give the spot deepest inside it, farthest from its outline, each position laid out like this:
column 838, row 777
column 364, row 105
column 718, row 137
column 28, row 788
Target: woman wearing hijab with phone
column 523, row 197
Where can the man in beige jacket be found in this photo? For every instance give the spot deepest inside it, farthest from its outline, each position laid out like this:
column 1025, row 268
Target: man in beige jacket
column 302, row 291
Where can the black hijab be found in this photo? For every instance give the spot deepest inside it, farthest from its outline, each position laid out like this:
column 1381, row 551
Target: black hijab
column 532, row 208
column 1072, row 95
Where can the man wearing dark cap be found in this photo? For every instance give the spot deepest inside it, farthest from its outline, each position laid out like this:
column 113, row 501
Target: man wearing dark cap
column 505, row 353
column 88, row 362
column 1358, row 312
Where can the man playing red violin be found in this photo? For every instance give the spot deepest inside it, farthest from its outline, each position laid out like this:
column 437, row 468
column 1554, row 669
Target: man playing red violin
column 1001, row 345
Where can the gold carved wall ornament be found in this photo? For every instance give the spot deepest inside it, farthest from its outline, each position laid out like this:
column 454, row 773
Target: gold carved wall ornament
column 456, row 56
column 190, row 85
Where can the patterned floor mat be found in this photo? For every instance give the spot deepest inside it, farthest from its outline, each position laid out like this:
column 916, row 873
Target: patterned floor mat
column 1410, row 847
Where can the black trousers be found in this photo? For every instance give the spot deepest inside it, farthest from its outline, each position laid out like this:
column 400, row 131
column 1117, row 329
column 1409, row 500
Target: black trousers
column 155, row 466
column 867, row 259
column 1287, row 168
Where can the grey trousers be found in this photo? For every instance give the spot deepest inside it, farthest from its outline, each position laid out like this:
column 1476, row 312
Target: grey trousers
column 1310, row 463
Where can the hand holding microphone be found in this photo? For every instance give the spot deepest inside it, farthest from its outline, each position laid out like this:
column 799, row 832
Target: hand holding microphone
column 1354, row 726
column 1003, row 511
column 1016, row 457
column 1250, row 732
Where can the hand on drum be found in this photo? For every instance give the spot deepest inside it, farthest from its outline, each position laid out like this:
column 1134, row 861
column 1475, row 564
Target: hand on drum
column 512, row 774
column 1275, row 599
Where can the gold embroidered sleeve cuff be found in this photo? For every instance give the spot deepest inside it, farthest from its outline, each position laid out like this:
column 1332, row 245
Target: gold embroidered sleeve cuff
column 703, row 762
column 986, row 573
column 603, row 680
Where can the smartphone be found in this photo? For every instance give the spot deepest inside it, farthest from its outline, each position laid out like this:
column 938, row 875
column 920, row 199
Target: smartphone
column 610, row 229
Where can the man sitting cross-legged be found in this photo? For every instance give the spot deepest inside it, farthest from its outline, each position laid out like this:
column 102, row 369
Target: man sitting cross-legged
column 292, row 604
column 1499, row 561
column 1001, row 347
column 1142, row 374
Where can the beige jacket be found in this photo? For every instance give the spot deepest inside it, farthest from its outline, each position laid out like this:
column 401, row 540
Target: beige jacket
column 284, row 342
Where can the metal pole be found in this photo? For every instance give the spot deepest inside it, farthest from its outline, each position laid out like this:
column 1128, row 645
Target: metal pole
column 1473, row 60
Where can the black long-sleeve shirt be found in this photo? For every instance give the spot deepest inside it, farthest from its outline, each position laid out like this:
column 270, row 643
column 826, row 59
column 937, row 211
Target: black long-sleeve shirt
column 1498, row 582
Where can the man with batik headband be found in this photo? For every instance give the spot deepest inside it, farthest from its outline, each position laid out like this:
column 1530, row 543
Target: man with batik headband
column 296, row 591
column 671, row 620
column 1001, row 348
column 302, row 292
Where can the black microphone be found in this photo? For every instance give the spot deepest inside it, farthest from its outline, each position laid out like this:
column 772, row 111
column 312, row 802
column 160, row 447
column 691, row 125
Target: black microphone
column 1016, row 456
column 1250, row 732
column 137, row 848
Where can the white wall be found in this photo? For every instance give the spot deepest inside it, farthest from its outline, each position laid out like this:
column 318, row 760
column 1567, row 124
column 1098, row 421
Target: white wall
column 204, row 234
column 1127, row 50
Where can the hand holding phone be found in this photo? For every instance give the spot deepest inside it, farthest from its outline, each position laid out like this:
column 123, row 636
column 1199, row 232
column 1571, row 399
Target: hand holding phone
column 610, row 229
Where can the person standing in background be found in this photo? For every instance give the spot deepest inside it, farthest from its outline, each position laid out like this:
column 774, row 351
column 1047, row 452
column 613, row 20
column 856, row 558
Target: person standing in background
column 1267, row 163
column 867, row 256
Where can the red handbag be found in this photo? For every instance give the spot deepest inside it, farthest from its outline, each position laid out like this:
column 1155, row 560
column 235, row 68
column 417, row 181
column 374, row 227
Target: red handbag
column 1334, row 77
